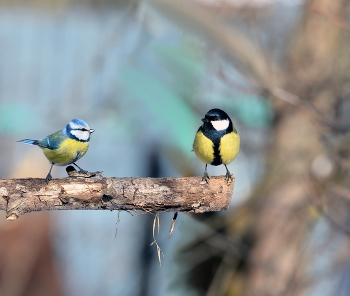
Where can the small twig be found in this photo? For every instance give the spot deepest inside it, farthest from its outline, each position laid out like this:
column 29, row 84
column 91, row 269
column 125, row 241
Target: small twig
column 156, row 225
column 72, row 172
column 172, row 225
column 117, row 225
column 286, row 96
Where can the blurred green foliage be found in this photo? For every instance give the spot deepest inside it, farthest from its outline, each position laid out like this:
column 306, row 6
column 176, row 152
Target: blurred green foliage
column 167, row 111
column 165, row 96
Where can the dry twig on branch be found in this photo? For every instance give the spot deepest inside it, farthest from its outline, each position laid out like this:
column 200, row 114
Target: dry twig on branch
column 20, row 196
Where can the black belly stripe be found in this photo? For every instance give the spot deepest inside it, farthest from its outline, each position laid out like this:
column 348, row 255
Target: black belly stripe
column 217, row 158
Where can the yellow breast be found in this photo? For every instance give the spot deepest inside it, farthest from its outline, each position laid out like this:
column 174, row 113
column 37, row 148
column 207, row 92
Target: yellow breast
column 67, row 152
column 204, row 148
column 229, row 147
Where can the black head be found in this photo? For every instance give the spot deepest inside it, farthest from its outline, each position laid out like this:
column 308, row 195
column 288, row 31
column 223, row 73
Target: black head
column 218, row 120
column 215, row 115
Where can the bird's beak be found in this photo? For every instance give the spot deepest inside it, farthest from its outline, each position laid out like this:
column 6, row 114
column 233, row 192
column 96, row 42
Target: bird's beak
column 91, row 131
column 205, row 119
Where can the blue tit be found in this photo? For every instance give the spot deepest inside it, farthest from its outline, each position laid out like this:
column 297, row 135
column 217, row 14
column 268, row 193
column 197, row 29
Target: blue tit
column 217, row 141
column 65, row 146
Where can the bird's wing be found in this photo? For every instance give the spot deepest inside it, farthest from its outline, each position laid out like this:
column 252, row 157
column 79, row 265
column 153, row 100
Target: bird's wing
column 52, row 141
column 29, row 141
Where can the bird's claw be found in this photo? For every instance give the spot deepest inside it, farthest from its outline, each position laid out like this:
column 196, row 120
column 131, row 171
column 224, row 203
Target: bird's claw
column 48, row 178
column 228, row 177
column 206, row 177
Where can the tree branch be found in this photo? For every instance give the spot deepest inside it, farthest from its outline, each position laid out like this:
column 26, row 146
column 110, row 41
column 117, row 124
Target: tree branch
column 20, row 196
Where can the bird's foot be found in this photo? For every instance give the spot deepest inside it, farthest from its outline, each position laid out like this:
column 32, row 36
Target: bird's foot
column 81, row 173
column 48, row 178
column 228, row 177
column 206, row 177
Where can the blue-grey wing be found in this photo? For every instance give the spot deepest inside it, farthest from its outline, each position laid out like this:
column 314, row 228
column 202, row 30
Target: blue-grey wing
column 53, row 141
column 29, row 141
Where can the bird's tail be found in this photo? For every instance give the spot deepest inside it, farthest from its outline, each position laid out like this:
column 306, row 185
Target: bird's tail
column 29, row 141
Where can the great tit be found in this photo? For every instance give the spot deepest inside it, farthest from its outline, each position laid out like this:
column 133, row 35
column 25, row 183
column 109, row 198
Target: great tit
column 216, row 141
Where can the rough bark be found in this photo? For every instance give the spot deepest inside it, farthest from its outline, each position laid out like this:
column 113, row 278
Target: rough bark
column 20, row 196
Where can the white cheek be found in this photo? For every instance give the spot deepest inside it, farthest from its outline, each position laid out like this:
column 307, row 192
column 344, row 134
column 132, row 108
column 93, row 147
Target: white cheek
column 81, row 135
column 220, row 125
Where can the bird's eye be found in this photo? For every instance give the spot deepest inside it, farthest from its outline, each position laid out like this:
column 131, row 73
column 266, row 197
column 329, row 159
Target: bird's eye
column 215, row 118
column 84, row 129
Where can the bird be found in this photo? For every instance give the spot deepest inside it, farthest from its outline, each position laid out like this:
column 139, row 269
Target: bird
column 66, row 146
column 216, row 141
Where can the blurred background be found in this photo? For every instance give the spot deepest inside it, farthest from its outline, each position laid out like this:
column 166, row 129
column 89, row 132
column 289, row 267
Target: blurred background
column 143, row 74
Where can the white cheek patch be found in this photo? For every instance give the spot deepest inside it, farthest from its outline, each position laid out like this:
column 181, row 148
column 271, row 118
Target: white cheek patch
column 81, row 135
column 220, row 125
